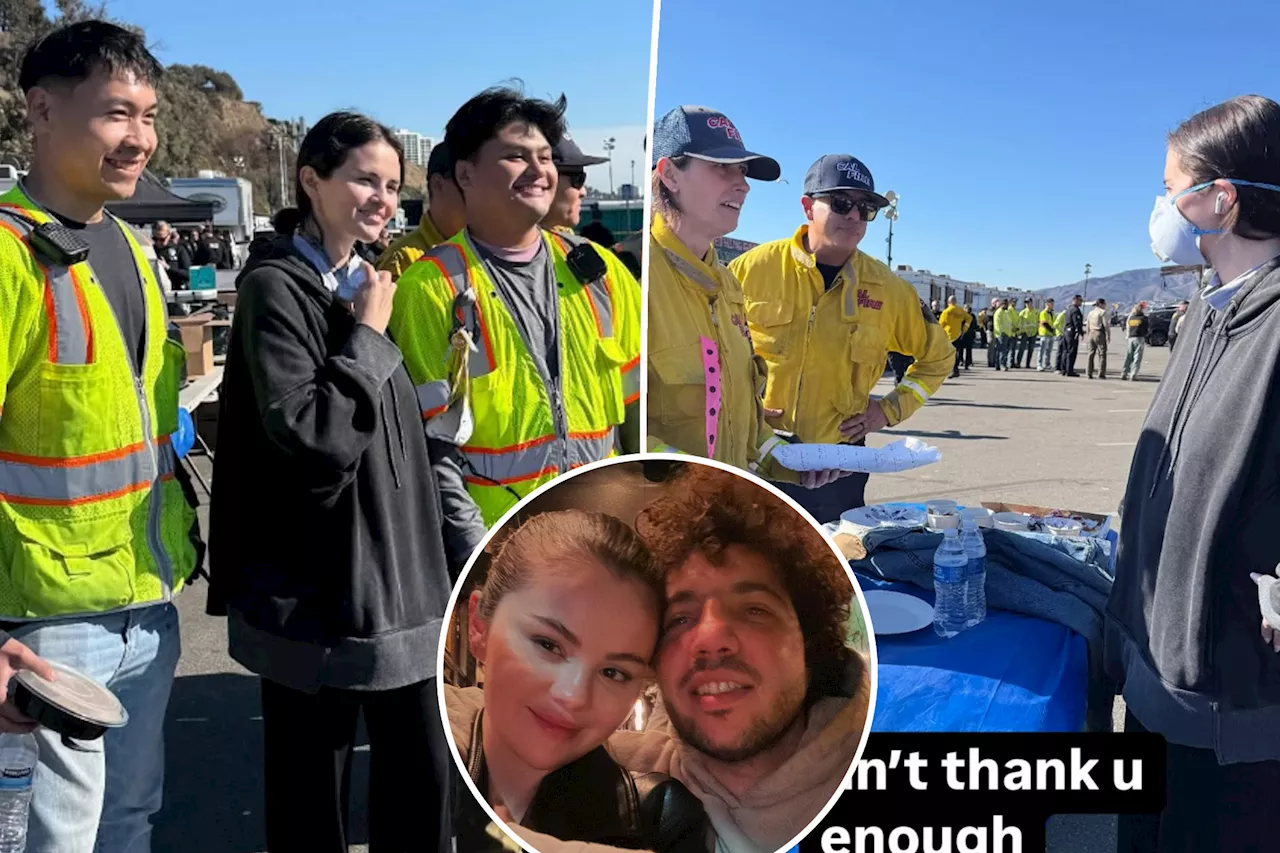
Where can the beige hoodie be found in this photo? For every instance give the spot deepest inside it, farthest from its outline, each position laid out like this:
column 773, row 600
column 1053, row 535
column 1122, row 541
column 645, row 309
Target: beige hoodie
column 777, row 808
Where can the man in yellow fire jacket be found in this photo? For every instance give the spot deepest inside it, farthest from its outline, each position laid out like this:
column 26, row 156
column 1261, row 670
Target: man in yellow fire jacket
column 824, row 316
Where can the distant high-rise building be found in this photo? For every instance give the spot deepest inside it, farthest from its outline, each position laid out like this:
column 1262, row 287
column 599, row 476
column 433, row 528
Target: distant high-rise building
column 417, row 148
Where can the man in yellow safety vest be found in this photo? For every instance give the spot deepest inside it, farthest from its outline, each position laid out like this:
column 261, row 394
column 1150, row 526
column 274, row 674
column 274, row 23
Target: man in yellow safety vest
column 524, row 343
column 1047, row 331
column 96, row 519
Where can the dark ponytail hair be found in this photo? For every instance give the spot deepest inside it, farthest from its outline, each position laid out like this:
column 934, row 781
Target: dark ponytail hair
column 325, row 149
column 1237, row 139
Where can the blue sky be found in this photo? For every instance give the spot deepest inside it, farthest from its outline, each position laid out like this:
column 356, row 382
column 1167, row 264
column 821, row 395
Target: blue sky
column 411, row 63
column 1025, row 139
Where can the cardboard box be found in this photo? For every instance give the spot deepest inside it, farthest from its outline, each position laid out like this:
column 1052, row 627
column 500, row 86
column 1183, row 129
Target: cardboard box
column 227, row 298
column 197, row 340
column 1095, row 526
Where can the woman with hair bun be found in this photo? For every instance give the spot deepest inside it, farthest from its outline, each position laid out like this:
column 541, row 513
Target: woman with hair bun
column 336, row 529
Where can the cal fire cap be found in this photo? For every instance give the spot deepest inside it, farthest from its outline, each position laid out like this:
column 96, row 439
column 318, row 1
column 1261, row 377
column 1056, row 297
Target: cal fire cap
column 835, row 172
column 705, row 134
column 569, row 155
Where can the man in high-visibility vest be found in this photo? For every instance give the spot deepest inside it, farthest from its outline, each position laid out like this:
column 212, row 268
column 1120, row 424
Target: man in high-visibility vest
column 96, row 521
column 824, row 316
column 1006, row 327
column 443, row 217
column 571, row 185
column 1046, row 330
column 1027, row 321
column 524, row 343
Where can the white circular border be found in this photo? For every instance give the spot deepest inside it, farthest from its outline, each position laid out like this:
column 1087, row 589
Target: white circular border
column 872, row 656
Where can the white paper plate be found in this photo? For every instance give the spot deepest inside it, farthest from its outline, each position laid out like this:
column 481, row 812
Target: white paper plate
column 897, row 612
column 879, row 515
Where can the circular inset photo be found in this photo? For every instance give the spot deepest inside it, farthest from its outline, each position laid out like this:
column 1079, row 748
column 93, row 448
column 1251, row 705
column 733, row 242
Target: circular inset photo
column 657, row 653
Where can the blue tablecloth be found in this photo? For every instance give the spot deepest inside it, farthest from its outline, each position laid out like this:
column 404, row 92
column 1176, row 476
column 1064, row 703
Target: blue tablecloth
column 1012, row 673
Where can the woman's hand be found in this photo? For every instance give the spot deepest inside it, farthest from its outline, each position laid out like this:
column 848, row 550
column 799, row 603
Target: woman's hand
column 1268, row 592
column 374, row 299
column 1270, row 635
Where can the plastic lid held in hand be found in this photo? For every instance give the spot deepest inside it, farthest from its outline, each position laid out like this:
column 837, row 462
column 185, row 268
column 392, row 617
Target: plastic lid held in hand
column 76, row 694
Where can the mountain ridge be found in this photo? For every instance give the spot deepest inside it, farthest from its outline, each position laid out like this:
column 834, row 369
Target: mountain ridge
column 1128, row 287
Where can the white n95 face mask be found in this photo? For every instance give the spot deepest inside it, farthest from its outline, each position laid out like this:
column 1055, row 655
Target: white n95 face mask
column 1174, row 238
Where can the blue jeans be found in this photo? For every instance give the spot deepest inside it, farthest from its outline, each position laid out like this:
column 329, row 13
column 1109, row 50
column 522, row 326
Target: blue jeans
column 1046, row 353
column 99, row 796
column 1004, row 344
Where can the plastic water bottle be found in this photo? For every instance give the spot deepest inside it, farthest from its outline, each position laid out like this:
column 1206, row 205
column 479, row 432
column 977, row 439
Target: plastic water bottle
column 18, row 757
column 950, row 568
column 975, row 596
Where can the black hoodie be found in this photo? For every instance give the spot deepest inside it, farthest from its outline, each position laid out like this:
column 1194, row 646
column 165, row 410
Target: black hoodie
column 1202, row 511
column 332, row 545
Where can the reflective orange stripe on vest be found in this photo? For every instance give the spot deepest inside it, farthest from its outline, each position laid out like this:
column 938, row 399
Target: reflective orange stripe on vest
column 531, row 459
column 631, row 381
column 39, row 481
column 433, row 398
column 70, row 336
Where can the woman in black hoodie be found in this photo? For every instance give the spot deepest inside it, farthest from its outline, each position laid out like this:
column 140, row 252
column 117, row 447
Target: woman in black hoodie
column 336, row 529
column 1186, row 637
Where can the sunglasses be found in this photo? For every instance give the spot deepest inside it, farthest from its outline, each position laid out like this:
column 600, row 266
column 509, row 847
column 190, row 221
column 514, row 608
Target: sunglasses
column 842, row 205
column 575, row 179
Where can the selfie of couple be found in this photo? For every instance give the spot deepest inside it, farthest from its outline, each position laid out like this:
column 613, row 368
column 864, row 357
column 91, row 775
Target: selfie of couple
column 654, row 656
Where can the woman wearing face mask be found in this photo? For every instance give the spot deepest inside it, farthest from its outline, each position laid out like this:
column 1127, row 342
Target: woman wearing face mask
column 565, row 627
column 336, row 530
column 706, row 384
column 1185, row 635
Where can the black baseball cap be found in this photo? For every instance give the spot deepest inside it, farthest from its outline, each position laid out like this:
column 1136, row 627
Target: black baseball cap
column 705, row 134
column 568, row 154
column 439, row 162
column 836, row 172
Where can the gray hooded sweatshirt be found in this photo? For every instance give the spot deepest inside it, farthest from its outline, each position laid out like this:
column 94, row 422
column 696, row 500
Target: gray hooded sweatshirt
column 1202, row 512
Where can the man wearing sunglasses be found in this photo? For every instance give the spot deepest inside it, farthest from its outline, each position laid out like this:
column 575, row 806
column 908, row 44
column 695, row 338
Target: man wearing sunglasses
column 571, row 188
column 825, row 316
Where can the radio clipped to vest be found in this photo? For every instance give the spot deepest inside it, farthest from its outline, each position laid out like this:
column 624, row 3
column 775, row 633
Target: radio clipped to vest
column 585, row 263
column 58, row 244
column 52, row 242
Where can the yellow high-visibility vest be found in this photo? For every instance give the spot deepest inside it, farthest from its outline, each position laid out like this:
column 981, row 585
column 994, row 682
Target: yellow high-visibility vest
column 92, row 519
column 479, row 387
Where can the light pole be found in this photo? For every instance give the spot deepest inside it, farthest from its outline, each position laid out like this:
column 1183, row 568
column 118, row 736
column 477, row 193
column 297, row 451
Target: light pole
column 892, row 215
column 609, row 145
column 631, row 192
column 1088, row 268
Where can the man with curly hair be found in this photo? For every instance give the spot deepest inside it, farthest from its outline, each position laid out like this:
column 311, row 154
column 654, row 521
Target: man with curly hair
column 763, row 702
